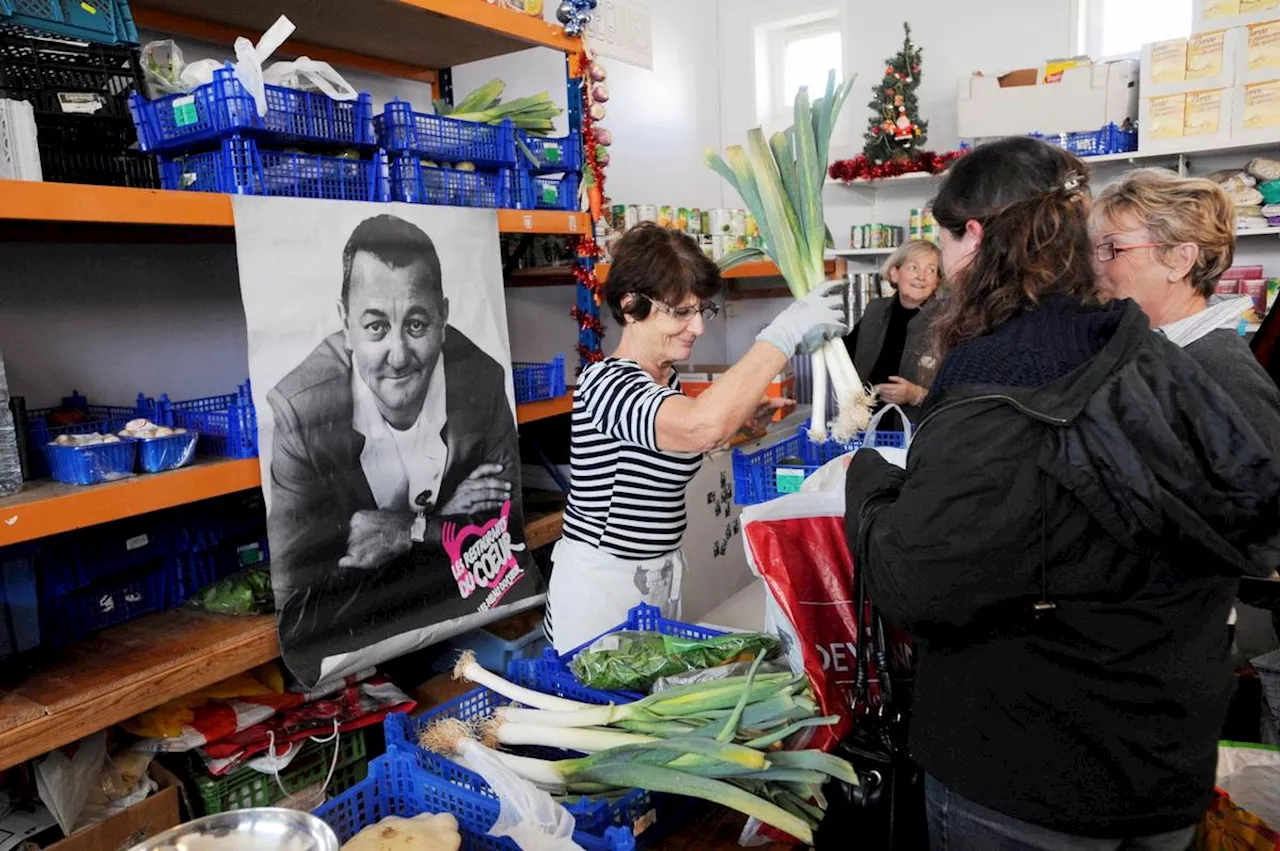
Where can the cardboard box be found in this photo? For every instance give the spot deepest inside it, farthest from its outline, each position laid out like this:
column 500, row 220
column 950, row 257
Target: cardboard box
column 1021, row 77
column 1164, row 62
column 1261, row 56
column 1197, row 119
column 1085, row 99
column 1214, row 59
column 1257, row 112
column 143, row 820
column 1222, row 14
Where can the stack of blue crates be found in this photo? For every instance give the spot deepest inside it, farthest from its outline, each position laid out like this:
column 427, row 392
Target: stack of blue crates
column 439, row 160
column 308, row 145
column 549, row 172
column 64, row 588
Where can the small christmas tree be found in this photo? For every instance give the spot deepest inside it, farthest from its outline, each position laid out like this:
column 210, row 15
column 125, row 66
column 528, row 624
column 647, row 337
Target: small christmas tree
column 895, row 131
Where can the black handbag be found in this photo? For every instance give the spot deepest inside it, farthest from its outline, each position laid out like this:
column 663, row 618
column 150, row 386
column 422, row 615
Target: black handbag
column 887, row 809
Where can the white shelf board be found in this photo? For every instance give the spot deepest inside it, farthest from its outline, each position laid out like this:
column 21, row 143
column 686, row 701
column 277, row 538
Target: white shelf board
column 1259, row 232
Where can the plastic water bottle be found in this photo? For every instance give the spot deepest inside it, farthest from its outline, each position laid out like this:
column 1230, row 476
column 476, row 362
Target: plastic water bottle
column 10, row 465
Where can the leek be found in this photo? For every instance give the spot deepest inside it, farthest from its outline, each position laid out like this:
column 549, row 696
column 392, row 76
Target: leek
column 781, row 181
column 467, row 669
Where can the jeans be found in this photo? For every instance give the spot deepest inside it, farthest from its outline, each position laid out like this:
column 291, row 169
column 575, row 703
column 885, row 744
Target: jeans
column 956, row 824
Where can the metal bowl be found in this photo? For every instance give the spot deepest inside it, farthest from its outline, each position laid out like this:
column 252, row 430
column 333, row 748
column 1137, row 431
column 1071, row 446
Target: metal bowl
column 265, row 829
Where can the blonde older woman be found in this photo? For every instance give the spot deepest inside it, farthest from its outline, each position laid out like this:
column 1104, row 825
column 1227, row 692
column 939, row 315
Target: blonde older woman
column 1164, row 241
column 890, row 346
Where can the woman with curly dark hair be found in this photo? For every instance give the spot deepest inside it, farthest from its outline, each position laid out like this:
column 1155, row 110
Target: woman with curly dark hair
column 1078, row 507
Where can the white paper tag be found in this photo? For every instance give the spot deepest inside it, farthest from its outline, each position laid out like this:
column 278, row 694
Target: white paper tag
column 136, row 542
column 80, row 102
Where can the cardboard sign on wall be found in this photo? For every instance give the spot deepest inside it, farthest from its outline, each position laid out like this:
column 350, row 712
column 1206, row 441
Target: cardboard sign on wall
column 622, row 29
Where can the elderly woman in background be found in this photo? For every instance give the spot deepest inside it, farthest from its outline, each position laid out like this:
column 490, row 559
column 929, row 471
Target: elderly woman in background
column 636, row 442
column 1164, row 241
column 891, row 346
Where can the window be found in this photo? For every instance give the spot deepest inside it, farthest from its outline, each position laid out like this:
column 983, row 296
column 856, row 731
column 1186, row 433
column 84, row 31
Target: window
column 794, row 53
column 1110, row 28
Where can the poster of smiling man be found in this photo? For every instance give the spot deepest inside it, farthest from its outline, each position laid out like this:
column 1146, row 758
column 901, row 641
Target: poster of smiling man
column 381, row 374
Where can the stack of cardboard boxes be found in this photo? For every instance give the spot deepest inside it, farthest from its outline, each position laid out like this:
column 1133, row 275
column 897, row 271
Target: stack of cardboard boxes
column 1221, row 86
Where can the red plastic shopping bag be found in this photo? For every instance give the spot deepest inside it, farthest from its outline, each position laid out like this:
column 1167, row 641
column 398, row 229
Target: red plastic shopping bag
column 797, row 545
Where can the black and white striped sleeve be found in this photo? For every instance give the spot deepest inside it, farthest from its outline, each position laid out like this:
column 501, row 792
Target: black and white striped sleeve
column 623, row 401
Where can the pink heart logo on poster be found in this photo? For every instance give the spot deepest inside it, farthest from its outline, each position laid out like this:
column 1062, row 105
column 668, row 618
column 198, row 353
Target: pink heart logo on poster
column 482, row 557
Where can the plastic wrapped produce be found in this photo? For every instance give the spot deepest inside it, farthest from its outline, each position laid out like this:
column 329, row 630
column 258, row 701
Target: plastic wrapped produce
column 10, row 460
column 633, row 661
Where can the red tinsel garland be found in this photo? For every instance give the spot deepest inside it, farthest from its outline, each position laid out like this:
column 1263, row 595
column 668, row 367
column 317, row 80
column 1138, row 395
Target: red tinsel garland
column 584, row 274
column 862, row 167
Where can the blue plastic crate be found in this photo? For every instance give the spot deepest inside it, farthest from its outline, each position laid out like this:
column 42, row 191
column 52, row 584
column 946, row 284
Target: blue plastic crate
column 415, row 183
column 224, row 107
column 551, row 673
column 547, row 193
column 1094, row 143
column 538, row 381
column 19, row 601
column 396, row 787
column 550, row 154
column 228, row 424
column 438, row 138
column 93, row 464
column 102, row 21
column 100, row 419
column 160, row 454
column 240, row 167
column 70, row 615
column 594, row 815
column 755, row 473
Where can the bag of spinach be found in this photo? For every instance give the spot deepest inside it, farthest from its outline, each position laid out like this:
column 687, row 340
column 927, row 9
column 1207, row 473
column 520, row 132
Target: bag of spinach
column 633, row 661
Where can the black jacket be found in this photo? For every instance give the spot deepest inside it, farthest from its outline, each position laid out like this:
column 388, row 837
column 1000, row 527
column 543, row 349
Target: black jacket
column 866, row 340
column 1129, row 494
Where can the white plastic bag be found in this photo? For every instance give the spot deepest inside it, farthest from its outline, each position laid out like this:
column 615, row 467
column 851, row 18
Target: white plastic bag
column 250, row 58
column 162, row 66
column 64, row 783
column 1250, row 774
column 310, row 75
column 529, row 817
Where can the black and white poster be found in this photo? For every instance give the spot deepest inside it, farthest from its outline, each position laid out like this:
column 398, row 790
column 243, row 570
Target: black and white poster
column 381, row 374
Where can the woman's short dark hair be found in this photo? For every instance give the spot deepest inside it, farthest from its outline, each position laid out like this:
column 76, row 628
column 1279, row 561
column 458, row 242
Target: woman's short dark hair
column 1031, row 199
column 664, row 265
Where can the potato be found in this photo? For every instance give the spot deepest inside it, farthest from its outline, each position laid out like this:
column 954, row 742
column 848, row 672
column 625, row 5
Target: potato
column 426, row 832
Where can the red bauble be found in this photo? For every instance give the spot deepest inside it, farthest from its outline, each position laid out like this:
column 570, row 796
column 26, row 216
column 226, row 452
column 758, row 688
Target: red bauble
column 875, row 131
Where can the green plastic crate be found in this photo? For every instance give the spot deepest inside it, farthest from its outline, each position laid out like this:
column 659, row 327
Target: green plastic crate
column 245, row 787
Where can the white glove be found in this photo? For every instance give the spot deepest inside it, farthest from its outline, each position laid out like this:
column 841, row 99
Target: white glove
column 805, row 326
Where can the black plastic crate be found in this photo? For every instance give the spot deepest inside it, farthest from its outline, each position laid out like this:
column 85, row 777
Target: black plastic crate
column 80, row 94
column 83, row 149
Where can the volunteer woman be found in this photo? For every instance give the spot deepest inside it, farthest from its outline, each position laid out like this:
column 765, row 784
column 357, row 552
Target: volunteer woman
column 1164, row 241
column 1079, row 504
column 637, row 442
column 891, row 344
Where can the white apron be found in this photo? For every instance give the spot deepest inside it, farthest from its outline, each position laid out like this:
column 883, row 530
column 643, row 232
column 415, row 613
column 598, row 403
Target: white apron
column 592, row 591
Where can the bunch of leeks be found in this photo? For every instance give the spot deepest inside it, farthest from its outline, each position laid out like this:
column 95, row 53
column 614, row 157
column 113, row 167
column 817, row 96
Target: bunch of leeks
column 718, row 741
column 781, row 180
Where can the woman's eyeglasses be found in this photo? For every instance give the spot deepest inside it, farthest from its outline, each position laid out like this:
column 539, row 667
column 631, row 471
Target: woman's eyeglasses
column 709, row 311
column 1108, row 251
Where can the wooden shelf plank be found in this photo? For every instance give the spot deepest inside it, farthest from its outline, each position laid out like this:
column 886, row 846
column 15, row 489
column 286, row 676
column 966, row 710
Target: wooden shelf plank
column 543, row 221
column 122, row 671
column 72, row 202
column 413, row 34
column 45, row 507
column 533, row 411
column 26, row 201
column 754, row 269
column 540, row 531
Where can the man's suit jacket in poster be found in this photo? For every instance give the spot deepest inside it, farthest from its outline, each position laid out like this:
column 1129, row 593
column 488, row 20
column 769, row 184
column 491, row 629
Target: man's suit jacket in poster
column 318, row 484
